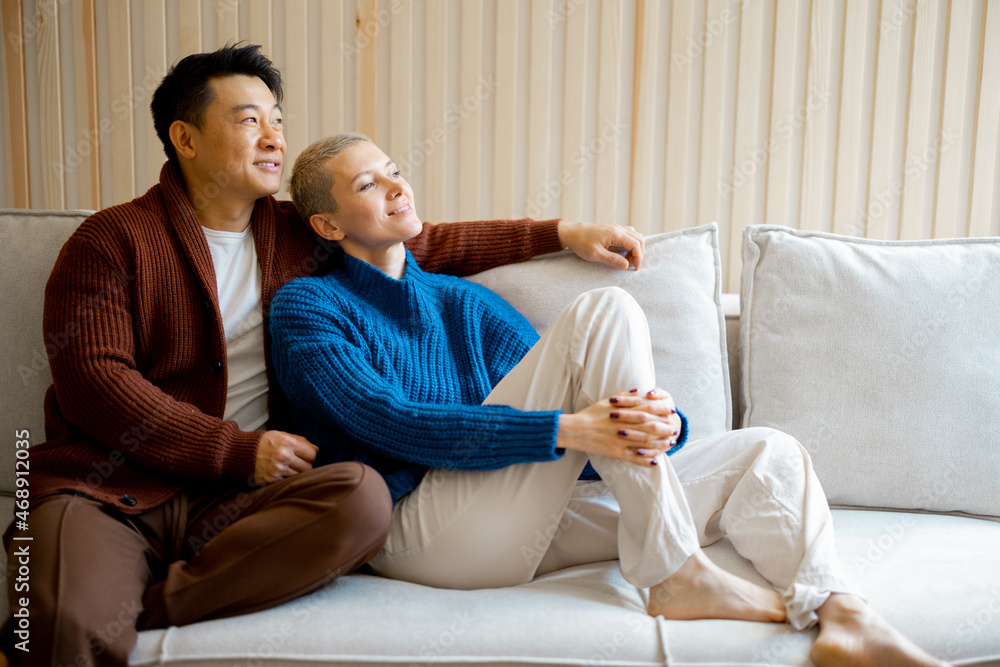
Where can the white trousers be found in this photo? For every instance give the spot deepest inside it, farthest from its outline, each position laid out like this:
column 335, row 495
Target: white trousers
column 487, row 529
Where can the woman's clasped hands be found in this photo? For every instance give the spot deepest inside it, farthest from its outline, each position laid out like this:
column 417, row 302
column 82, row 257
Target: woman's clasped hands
column 634, row 426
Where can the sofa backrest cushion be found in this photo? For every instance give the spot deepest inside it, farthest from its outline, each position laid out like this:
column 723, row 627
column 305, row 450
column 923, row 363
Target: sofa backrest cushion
column 30, row 241
column 881, row 358
column 678, row 286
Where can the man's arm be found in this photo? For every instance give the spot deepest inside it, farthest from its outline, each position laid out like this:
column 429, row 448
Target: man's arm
column 101, row 390
column 464, row 248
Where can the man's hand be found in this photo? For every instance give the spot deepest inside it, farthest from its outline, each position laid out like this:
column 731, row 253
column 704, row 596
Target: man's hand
column 592, row 242
column 281, row 455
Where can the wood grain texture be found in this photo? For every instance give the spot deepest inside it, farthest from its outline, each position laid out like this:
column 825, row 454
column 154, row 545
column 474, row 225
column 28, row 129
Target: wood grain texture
column 123, row 106
column 951, row 214
column 154, row 46
column 53, row 161
column 17, row 102
column 366, row 39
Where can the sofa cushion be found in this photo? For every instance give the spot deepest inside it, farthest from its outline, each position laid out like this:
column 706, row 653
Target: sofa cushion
column 30, row 241
column 906, row 564
column 880, row 357
column 679, row 286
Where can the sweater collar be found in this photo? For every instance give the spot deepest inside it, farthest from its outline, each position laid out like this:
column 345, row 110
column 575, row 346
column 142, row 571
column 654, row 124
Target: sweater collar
column 185, row 221
column 406, row 297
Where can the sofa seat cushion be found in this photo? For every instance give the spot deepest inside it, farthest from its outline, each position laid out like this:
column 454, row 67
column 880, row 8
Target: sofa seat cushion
column 932, row 576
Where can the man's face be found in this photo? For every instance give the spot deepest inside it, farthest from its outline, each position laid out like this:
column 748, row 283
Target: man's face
column 239, row 149
column 374, row 203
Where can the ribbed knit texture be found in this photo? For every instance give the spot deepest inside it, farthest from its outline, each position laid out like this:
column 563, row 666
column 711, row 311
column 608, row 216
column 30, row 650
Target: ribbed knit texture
column 139, row 387
column 392, row 372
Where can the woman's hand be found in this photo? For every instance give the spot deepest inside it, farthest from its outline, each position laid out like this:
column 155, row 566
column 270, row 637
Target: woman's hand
column 627, row 426
column 593, row 243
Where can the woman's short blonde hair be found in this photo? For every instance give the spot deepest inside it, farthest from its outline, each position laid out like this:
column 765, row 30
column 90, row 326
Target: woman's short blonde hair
column 312, row 180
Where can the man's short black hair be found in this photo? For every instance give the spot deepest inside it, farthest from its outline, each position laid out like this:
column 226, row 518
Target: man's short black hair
column 185, row 93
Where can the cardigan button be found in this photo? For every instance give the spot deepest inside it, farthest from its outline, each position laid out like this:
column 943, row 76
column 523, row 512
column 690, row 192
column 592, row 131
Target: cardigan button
column 215, row 367
column 128, row 500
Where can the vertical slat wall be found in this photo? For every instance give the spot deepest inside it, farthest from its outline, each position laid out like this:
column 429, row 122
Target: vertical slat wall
column 877, row 118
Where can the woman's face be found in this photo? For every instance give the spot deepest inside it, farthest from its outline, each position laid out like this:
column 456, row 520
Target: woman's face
column 374, row 203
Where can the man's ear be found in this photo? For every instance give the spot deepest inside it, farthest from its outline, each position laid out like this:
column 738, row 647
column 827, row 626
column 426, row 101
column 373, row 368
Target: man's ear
column 325, row 227
column 182, row 139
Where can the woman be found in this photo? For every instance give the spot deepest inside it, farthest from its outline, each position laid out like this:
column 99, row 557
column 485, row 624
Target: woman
column 482, row 429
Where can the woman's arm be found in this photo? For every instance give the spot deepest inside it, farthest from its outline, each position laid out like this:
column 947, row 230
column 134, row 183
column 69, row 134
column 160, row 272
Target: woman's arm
column 325, row 367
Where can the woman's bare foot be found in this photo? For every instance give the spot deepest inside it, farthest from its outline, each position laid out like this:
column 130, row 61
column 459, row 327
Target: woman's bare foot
column 850, row 633
column 702, row 589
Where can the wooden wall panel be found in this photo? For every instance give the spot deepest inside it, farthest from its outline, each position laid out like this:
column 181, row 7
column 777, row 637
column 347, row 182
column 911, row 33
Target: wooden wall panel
column 924, row 109
column 154, row 45
column 984, row 213
column 609, row 131
column 17, row 102
column 750, row 142
column 574, row 115
column 819, row 114
column 876, row 118
column 958, row 116
column 505, row 110
column 50, row 121
column 857, row 90
column 434, row 137
column 367, row 38
column 122, row 134
column 473, row 93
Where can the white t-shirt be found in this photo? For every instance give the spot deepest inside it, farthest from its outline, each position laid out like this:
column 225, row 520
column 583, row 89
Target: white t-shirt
column 238, row 278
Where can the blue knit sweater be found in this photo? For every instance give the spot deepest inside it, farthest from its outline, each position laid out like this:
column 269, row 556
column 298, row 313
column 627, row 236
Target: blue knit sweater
column 392, row 373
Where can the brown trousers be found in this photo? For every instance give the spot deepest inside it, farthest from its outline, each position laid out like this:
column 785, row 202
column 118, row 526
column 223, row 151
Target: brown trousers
column 97, row 576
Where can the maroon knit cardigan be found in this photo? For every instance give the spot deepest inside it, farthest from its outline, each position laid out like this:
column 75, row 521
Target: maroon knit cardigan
column 139, row 361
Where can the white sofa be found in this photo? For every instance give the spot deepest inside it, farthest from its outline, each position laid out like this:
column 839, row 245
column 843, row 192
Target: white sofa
column 895, row 404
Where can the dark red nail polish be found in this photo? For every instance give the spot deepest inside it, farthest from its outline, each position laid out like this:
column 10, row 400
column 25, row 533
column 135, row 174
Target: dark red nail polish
column 623, row 431
column 654, row 462
column 615, row 415
column 632, row 391
column 613, row 399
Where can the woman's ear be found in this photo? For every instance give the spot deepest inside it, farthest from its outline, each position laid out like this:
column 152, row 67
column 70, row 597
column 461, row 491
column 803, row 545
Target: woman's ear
column 325, row 227
column 181, row 138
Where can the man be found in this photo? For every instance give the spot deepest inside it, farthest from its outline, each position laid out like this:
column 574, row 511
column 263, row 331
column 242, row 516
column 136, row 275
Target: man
column 165, row 493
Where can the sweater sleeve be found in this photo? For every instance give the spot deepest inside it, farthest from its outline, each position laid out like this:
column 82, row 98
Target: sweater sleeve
column 100, row 389
column 325, row 368
column 464, row 248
